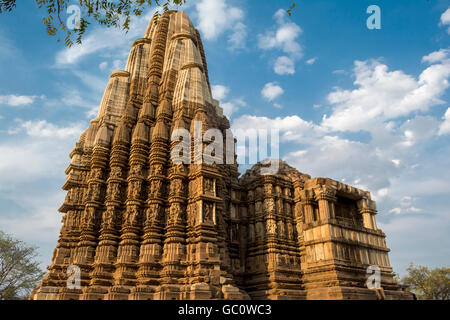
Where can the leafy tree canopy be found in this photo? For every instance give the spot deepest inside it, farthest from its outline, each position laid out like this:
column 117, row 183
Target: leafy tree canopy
column 110, row 13
column 19, row 270
column 428, row 284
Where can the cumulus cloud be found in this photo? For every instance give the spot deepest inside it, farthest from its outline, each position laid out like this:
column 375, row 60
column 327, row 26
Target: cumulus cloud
column 44, row 129
column 219, row 92
column 437, row 56
column 311, row 61
column 216, row 17
column 444, row 128
column 284, row 65
column 284, row 39
column 103, row 65
column 229, row 106
column 292, row 128
column 13, row 100
column 382, row 94
column 445, row 19
column 271, row 91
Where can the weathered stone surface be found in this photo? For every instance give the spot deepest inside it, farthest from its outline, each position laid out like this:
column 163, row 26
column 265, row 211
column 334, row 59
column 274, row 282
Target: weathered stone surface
column 141, row 227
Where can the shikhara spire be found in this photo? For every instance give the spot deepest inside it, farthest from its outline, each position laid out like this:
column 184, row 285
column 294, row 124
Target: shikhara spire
column 139, row 226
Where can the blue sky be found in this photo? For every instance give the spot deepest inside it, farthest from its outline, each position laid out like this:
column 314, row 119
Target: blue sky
column 367, row 107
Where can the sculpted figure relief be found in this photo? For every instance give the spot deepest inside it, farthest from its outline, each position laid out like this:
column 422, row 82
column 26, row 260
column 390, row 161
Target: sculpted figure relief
column 108, row 218
column 136, row 170
column 96, row 173
column 192, row 216
column 116, row 172
column 268, row 188
column 251, row 232
column 259, row 230
column 209, row 185
column 94, row 192
column 155, row 188
column 258, row 207
column 153, row 214
column 158, row 170
column 175, row 214
column 136, row 189
column 290, row 229
column 271, row 227
column 89, row 216
column 208, row 212
column 131, row 216
column 281, row 229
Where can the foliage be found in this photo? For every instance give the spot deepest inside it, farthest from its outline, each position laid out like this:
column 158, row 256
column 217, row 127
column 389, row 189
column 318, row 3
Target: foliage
column 109, row 13
column 19, row 271
column 428, row 284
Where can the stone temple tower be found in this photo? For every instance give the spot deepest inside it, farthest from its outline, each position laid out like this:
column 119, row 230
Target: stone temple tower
column 139, row 226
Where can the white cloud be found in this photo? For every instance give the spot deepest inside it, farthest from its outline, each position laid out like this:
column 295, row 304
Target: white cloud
column 102, row 39
column 237, row 38
column 437, row 56
column 339, row 71
column 418, row 129
column 292, row 128
column 17, row 101
column 277, row 105
column 216, row 17
column 284, row 38
column 271, row 91
column 103, row 65
column 311, row 61
column 232, row 106
column 284, row 65
column 445, row 19
column 219, row 92
column 445, row 125
column 44, row 129
column 382, row 94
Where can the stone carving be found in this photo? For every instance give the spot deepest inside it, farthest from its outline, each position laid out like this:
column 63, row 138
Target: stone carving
column 131, row 216
column 209, row 185
column 113, row 191
column 108, row 218
column 116, row 172
column 208, row 209
column 271, row 227
column 166, row 84
column 136, row 170
column 175, row 214
column 155, row 188
column 96, row 173
column 89, row 216
column 153, row 215
column 251, row 232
